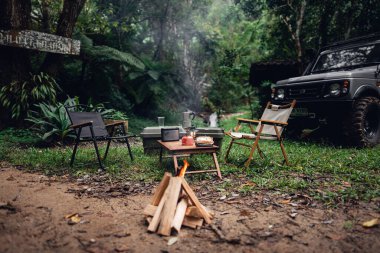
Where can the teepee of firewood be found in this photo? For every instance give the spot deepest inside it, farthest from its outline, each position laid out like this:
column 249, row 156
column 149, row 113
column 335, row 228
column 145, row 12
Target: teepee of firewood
column 174, row 204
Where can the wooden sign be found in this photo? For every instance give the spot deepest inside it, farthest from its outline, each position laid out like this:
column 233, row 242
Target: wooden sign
column 40, row 41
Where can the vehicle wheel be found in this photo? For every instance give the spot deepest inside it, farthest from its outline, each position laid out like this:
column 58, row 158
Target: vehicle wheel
column 366, row 122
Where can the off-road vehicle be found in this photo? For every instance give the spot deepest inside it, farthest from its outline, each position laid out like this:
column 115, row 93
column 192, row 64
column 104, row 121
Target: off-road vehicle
column 340, row 87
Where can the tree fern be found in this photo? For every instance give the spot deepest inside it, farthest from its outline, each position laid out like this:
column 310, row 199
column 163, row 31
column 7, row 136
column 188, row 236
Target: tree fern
column 106, row 53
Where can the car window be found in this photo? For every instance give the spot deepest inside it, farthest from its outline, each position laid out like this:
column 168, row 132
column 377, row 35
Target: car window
column 346, row 58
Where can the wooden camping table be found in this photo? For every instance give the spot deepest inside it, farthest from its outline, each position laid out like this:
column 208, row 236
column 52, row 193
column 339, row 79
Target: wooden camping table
column 175, row 149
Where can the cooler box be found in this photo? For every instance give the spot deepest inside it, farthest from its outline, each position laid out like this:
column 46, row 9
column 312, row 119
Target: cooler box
column 215, row 132
column 150, row 136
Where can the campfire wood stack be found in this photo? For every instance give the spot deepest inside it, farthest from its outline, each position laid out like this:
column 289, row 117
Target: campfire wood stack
column 174, row 204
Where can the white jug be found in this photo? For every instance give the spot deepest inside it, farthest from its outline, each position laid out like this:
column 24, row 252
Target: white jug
column 187, row 118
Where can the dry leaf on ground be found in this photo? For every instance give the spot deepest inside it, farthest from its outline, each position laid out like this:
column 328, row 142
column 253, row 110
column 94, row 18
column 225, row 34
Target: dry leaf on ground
column 285, row 201
column 172, row 241
column 371, row 223
column 73, row 218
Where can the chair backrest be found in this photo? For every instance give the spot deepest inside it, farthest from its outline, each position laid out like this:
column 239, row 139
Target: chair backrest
column 276, row 113
column 170, row 134
column 82, row 117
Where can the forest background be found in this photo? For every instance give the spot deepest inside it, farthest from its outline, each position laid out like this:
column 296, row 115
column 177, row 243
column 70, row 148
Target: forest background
column 161, row 57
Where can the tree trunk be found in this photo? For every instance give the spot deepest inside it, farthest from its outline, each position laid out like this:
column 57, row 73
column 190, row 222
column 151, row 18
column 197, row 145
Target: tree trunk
column 159, row 54
column 45, row 22
column 14, row 62
column 295, row 33
column 298, row 32
column 66, row 23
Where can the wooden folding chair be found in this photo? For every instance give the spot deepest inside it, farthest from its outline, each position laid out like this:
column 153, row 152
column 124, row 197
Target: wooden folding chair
column 269, row 127
column 89, row 126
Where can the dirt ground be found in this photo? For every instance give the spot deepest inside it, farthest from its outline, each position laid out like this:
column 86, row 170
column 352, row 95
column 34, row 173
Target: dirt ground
column 33, row 209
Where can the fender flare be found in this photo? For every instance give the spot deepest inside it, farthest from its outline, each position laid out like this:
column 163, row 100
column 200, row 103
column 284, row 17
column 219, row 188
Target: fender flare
column 367, row 90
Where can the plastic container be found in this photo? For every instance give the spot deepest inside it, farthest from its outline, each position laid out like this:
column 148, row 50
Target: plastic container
column 150, row 136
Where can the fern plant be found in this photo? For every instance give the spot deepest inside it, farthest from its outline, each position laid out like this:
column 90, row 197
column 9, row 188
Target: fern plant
column 106, row 54
column 19, row 96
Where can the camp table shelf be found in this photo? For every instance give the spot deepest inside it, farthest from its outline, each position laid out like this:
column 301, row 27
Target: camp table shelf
column 175, row 149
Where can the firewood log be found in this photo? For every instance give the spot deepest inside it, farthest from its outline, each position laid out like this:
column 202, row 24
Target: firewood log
column 153, row 225
column 195, row 200
column 170, row 205
column 179, row 215
column 192, row 222
column 161, row 189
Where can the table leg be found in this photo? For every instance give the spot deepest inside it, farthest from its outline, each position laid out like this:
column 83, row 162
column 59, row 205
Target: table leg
column 175, row 164
column 161, row 157
column 217, row 165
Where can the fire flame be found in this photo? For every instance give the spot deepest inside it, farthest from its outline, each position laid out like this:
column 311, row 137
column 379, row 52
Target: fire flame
column 184, row 168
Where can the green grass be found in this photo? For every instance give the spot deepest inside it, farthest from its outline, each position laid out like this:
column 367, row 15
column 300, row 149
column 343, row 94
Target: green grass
column 325, row 172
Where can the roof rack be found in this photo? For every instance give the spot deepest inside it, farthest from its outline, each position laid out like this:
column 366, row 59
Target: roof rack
column 372, row 36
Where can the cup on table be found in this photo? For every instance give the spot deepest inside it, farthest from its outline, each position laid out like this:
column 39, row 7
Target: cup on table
column 161, row 121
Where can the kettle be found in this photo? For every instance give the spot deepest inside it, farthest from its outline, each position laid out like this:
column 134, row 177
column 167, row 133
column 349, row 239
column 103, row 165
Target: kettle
column 188, row 139
column 187, row 118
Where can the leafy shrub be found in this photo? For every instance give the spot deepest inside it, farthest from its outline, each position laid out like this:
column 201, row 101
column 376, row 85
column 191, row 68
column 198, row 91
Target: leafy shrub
column 24, row 137
column 99, row 107
column 115, row 114
column 51, row 121
column 263, row 92
column 227, row 90
column 251, row 100
column 19, row 96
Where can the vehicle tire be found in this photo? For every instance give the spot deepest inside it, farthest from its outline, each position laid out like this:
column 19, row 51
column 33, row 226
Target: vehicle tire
column 366, row 122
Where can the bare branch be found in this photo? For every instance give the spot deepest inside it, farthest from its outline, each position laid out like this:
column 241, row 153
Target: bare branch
column 300, row 18
column 290, row 28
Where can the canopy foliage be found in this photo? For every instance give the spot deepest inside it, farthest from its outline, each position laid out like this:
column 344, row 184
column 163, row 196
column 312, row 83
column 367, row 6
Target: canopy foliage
column 150, row 57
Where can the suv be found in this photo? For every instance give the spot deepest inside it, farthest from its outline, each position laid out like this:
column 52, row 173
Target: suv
column 340, row 87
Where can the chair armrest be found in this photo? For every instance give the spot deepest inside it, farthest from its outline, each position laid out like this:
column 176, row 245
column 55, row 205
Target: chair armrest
column 248, row 120
column 274, row 122
column 84, row 124
column 115, row 124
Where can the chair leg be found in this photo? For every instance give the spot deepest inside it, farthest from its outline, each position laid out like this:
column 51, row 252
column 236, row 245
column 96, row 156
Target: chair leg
column 107, row 148
column 126, row 140
column 261, row 153
column 129, row 149
column 108, row 143
column 75, row 150
column 75, row 147
column 161, row 156
column 246, row 164
column 96, row 148
column 228, row 150
column 284, row 153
